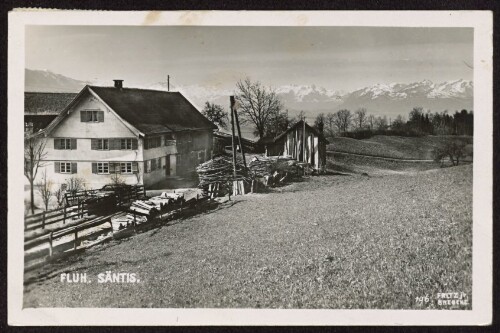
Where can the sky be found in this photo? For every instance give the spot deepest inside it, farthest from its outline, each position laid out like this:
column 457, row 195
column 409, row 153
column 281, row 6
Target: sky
column 338, row 58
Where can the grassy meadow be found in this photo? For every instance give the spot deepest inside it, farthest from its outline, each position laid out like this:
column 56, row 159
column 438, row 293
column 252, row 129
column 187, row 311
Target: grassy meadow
column 419, row 148
column 331, row 241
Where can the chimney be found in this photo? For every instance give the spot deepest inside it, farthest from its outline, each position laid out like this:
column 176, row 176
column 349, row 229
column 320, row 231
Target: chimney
column 118, row 83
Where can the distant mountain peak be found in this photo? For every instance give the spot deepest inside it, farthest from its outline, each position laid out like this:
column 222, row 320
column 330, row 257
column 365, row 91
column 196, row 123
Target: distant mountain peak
column 380, row 98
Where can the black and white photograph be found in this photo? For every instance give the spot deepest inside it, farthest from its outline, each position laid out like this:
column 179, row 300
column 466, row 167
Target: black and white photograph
column 210, row 161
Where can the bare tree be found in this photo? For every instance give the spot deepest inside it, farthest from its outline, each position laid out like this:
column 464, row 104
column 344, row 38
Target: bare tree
column 45, row 190
column 116, row 179
column 371, row 122
column 216, row 114
column 257, row 104
column 330, row 124
column 34, row 154
column 381, row 123
column 343, row 119
column 319, row 122
column 360, row 118
column 398, row 123
column 59, row 195
column 75, row 184
column 453, row 150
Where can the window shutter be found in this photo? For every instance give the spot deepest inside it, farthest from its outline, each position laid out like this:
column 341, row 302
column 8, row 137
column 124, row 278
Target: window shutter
column 135, row 167
column 93, row 144
column 94, row 167
column 73, row 168
column 57, row 167
column 112, row 167
column 100, row 116
column 114, row 144
column 57, row 144
column 73, row 143
column 83, row 117
column 134, row 144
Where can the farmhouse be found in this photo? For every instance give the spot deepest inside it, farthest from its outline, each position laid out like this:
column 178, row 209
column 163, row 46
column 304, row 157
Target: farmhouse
column 139, row 136
column 303, row 143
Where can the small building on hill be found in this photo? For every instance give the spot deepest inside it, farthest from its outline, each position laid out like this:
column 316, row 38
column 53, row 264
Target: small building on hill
column 137, row 135
column 301, row 142
column 41, row 108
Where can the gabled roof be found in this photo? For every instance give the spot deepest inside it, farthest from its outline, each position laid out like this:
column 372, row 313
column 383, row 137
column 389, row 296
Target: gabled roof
column 153, row 111
column 301, row 123
column 148, row 111
column 46, row 104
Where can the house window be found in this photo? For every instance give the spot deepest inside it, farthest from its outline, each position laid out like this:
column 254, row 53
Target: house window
column 103, row 168
column 92, row 116
column 126, row 167
column 64, row 143
column 125, row 144
column 102, row 144
column 65, row 167
column 153, row 164
column 148, row 166
column 153, row 142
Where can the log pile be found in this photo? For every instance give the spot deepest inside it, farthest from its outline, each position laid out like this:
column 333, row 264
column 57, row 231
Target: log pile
column 125, row 221
column 220, row 170
column 147, row 208
column 262, row 166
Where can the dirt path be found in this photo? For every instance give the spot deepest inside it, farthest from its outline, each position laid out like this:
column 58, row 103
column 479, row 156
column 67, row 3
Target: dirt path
column 381, row 157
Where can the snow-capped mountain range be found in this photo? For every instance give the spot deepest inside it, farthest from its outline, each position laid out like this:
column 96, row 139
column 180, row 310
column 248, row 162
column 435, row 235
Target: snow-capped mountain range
column 387, row 99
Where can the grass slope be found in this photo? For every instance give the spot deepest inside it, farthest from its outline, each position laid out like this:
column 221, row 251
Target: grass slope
column 395, row 146
column 327, row 242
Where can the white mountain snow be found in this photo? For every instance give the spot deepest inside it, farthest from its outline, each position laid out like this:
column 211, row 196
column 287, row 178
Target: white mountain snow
column 389, row 99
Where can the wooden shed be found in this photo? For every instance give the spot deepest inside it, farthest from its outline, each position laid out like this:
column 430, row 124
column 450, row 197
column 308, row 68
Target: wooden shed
column 303, row 143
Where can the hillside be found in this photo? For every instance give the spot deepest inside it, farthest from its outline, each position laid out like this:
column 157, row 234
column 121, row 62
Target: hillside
column 337, row 242
column 419, row 148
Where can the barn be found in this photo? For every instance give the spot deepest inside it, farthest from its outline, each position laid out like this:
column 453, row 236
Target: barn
column 301, row 142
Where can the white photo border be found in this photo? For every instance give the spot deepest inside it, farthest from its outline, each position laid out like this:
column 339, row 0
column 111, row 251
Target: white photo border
column 482, row 285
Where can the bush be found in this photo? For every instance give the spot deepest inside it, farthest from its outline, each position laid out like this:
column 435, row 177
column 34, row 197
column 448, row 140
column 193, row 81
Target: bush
column 454, row 150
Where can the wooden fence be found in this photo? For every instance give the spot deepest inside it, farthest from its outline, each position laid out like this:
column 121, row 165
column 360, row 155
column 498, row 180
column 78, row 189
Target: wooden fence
column 123, row 195
column 38, row 257
column 76, row 207
column 43, row 219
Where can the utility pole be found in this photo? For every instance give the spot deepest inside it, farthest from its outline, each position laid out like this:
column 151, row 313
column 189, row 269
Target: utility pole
column 168, row 82
column 304, row 139
column 239, row 136
column 231, row 106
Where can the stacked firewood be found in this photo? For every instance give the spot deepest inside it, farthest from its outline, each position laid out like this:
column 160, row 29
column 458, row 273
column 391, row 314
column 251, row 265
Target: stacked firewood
column 125, row 221
column 148, row 208
column 220, row 170
column 262, row 166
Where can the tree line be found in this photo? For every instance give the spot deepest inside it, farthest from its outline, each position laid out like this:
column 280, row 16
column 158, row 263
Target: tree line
column 261, row 107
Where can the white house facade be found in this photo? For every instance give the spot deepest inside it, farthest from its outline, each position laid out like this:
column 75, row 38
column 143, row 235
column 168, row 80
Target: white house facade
column 110, row 133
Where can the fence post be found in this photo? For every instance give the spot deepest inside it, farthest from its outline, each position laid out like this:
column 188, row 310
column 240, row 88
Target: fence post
column 43, row 220
column 50, row 244
column 76, row 238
